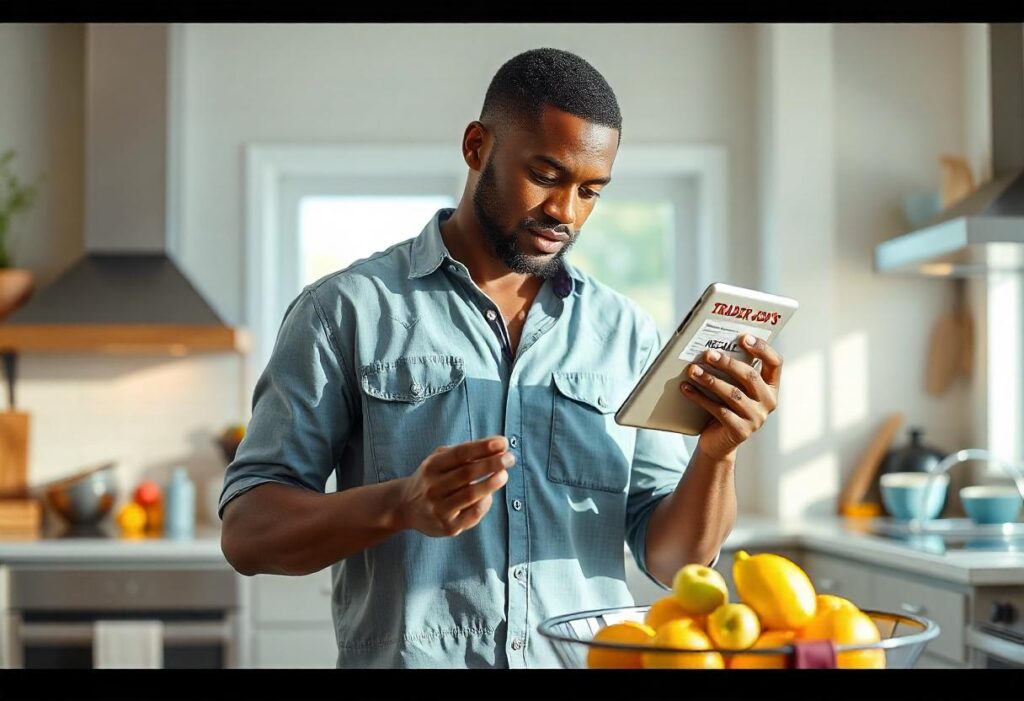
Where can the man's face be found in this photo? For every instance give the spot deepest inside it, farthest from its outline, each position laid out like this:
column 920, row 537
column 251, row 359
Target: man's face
column 539, row 186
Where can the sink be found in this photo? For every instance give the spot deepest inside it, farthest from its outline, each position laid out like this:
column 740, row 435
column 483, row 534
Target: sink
column 945, row 535
column 953, row 527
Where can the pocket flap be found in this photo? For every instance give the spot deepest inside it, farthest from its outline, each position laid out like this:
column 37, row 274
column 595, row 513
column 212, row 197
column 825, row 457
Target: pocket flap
column 412, row 379
column 596, row 390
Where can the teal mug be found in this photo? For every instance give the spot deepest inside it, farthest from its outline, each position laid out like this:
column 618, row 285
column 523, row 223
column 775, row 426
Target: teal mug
column 991, row 503
column 913, row 495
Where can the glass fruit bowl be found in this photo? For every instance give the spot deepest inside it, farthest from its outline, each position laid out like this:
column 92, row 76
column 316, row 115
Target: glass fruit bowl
column 904, row 638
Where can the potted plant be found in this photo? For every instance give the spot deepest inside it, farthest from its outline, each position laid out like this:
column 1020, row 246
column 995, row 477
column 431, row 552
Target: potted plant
column 16, row 199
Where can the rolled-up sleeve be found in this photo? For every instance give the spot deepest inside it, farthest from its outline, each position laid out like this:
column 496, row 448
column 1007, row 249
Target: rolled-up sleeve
column 302, row 408
column 659, row 459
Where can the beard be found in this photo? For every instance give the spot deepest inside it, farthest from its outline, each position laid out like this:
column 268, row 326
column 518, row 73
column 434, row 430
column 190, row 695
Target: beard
column 506, row 244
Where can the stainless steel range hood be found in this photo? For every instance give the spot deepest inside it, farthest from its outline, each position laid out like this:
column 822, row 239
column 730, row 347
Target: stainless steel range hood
column 127, row 293
column 984, row 232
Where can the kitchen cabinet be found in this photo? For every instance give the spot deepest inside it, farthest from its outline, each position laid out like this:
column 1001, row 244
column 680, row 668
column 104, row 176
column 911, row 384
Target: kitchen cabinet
column 833, row 575
column 291, row 624
column 872, row 587
column 903, row 593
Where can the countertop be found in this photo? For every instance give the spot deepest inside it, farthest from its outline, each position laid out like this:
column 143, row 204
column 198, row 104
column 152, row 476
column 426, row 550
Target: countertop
column 104, row 545
column 833, row 536
column 847, row 538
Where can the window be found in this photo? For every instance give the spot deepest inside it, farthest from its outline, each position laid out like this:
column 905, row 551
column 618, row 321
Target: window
column 632, row 243
column 316, row 209
column 335, row 231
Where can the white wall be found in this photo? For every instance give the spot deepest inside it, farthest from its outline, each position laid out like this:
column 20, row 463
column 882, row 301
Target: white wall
column 900, row 98
column 41, row 112
column 147, row 413
column 424, row 83
column 798, row 463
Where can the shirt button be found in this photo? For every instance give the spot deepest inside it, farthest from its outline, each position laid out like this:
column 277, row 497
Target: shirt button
column 514, row 441
column 517, row 505
column 491, row 316
column 520, row 573
column 517, row 644
column 452, row 269
column 415, row 389
column 601, row 402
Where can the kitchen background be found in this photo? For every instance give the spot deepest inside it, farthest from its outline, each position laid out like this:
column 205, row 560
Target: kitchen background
column 808, row 138
column 826, row 129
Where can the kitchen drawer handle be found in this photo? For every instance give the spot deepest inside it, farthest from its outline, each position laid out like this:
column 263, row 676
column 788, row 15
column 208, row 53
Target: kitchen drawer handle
column 912, row 609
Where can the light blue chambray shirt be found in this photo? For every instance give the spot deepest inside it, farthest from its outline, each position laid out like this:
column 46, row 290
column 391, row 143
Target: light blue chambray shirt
column 377, row 365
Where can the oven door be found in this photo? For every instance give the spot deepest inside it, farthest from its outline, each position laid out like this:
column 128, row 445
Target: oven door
column 68, row 644
column 992, row 650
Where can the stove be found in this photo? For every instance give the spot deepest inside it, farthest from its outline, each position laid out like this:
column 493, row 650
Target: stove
column 996, row 639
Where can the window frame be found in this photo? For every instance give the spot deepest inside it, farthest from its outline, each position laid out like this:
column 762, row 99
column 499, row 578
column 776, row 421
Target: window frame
column 268, row 167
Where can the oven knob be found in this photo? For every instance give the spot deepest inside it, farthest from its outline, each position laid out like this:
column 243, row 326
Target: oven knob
column 1002, row 612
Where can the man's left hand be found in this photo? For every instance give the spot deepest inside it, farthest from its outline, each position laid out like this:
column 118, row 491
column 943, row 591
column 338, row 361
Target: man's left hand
column 744, row 408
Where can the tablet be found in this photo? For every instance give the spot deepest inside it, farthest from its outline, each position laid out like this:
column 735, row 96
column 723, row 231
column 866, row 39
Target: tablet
column 717, row 321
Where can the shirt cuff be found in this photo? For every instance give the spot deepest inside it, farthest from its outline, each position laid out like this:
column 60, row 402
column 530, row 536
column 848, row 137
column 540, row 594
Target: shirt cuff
column 242, row 486
column 640, row 555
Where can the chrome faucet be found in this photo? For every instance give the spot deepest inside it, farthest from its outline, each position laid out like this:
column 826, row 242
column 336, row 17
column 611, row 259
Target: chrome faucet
column 1013, row 469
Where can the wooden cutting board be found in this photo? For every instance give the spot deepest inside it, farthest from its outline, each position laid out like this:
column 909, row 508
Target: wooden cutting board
column 20, row 517
column 860, row 481
column 14, row 434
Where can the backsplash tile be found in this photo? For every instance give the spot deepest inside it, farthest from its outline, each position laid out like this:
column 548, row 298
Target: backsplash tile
column 148, row 413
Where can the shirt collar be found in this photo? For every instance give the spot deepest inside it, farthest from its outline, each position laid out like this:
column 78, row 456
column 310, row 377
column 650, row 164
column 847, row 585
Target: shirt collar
column 429, row 252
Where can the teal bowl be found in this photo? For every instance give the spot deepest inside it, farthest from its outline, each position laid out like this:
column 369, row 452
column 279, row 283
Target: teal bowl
column 913, row 495
column 991, row 503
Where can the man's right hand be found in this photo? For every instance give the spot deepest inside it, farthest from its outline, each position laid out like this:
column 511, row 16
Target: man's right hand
column 439, row 499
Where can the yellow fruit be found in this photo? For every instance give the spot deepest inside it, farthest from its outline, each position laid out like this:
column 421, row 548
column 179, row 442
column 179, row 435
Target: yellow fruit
column 846, row 626
column 680, row 634
column 831, row 601
column 628, row 633
column 132, row 519
column 826, row 603
column 668, row 609
column 699, row 589
column 780, row 593
column 733, row 627
column 768, row 639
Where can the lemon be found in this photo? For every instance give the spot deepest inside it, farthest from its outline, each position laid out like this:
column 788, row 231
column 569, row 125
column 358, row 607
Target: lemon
column 845, row 626
column 831, row 601
column 681, row 635
column 668, row 609
column 780, row 593
column 628, row 633
column 768, row 639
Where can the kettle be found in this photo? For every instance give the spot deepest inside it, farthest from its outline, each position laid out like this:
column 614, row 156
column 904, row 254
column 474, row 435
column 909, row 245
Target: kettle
column 914, row 456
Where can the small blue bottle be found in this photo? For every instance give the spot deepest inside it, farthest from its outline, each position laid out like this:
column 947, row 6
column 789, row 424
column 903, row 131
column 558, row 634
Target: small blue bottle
column 180, row 518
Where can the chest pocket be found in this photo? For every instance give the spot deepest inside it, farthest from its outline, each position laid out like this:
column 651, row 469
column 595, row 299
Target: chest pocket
column 414, row 405
column 588, row 449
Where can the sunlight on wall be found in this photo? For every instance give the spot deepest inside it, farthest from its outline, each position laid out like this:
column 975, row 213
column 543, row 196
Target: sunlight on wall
column 810, row 487
column 1005, row 406
column 849, row 380
column 801, row 411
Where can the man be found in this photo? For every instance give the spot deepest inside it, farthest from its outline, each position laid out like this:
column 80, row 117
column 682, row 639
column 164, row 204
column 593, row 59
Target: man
column 461, row 386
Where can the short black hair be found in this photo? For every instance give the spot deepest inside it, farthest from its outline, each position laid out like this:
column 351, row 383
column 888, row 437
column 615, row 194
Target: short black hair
column 534, row 79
